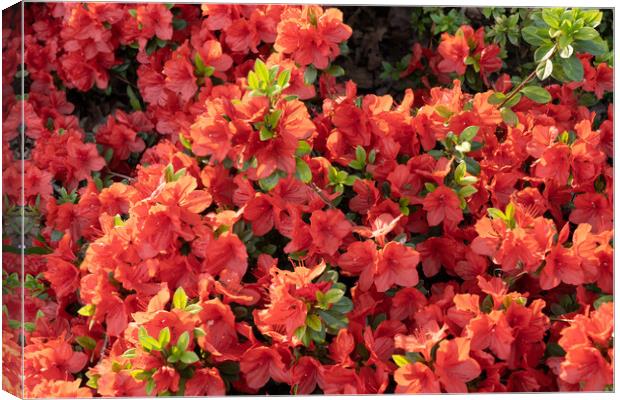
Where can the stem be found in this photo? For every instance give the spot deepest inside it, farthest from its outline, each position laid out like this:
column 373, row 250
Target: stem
column 129, row 178
column 570, row 321
column 121, row 78
column 518, row 88
column 318, row 191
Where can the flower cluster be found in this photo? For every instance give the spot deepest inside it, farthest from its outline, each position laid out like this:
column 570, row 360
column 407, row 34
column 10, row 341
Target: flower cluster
column 238, row 219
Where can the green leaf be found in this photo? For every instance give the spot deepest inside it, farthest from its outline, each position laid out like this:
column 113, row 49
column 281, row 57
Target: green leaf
column 178, row 24
column 513, row 100
column 544, row 70
column 537, row 93
column 343, row 306
column 107, row 156
column 189, row 357
column 118, row 220
column 333, row 295
column 193, row 308
column 496, row 213
column 270, row 182
column 334, row 321
column 356, row 165
column 133, row 99
column 265, row 133
column 510, row 212
column 360, row 154
column 56, row 235
column 183, row 341
column 607, row 298
column 129, row 353
column 185, row 141
column 487, row 304
column 87, row 311
column 469, row 133
column 303, row 171
column 303, row 148
column 150, row 386
column 174, row 357
column 572, row 67
column 310, row 75
column 554, row 350
column 400, row 360
column 284, row 78
column 595, row 47
column 459, row 172
column 146, row 341
column 273, row 118
column 335, row 70
column 467, row 191
column 300, row 332
column 164, row 337
column 509, row 117
column 468, row 180
column 253, row 80
column 586, row 33
column 179, row 300
column 350, row 180
column 37, row 250
column 209, row 70
column 86, row 342
column 544, row 52
column 534, row 35
column 372, row 156
column 261, row 70
column 429, row 187
column 551, row 17
column 201, row 68
column 496, row 98
column 313, row 322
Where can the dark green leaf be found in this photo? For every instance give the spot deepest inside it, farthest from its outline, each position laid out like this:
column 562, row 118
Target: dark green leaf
column 310, row 75
column 554, row 350
column 86, row 342
column 594, row 47
column 607, row 298
column 572, row 67
column 469, row 133
column 509, row 117
column 537, row 93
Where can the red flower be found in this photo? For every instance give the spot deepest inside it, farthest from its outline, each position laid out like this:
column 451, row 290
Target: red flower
column 261, row 363
column 396, row 264
column 594, row 209
column 416, row 378
column 453, row 50
column 179, row 73
column 328, row 229
column 454, row 366
column 598, row 80
column 311, row 35
column 586, row 366
column 443, row 205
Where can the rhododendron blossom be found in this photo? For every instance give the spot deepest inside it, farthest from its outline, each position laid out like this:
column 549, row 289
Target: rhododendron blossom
column 203, row 200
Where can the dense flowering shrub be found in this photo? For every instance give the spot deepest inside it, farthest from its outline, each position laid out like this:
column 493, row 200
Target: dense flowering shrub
column 239, row 219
